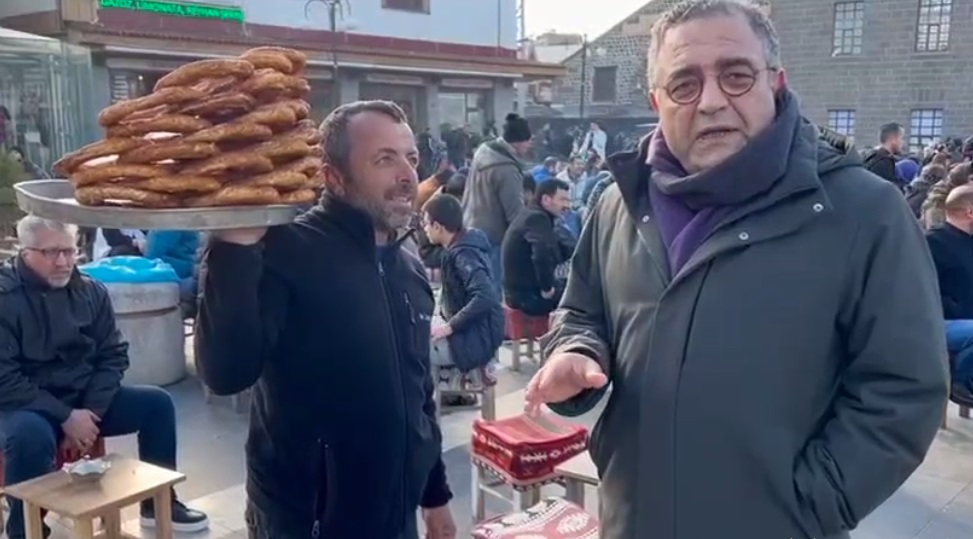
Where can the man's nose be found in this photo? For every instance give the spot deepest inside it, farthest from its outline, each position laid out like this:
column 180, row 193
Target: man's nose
column 712, row 98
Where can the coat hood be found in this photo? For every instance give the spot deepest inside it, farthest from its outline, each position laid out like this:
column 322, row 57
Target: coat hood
column 835, row 151
column 474, row 240
column 494, row 153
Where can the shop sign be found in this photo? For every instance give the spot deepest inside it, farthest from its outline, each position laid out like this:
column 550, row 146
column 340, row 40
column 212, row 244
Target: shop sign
column 471, row 84
column 177, row 9
column 377, row 78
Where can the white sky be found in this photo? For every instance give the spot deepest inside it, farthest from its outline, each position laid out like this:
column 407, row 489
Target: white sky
column 584, row 16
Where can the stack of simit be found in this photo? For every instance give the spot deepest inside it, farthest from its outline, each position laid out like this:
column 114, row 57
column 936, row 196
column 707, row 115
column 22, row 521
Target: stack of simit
column 228, row 132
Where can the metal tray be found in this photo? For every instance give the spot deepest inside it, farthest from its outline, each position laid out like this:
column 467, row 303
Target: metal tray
column 54, row 199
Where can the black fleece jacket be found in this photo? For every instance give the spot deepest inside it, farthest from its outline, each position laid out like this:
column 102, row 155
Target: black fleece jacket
column 335, row 334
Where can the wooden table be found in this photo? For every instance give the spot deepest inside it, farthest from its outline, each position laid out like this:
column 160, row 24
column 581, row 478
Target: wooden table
column 127, row 482
column 578, row 472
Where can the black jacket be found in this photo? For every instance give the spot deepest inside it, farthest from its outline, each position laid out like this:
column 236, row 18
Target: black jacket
column 334, row 332
column 952, row 252
column 530, row 253
column 470, row 303
column 881, row 162
column 59, row 348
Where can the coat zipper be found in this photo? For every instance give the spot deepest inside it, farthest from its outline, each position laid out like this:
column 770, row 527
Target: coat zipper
column 390, row 318
column 323, row 514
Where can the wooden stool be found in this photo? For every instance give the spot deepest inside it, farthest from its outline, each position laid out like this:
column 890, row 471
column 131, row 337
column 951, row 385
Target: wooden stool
column 127, row 482
column 520, row 328
column 520, row 452
column 479, row 384
column 576, row 474
column 63, row 457
column 487, row 479
column 963, row 403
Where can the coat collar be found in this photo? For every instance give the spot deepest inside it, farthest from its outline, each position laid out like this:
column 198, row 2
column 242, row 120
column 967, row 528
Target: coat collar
column 356, row 223
column 789, row 204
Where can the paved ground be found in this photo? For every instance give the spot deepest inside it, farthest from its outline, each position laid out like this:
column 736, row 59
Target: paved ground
column 936, row 503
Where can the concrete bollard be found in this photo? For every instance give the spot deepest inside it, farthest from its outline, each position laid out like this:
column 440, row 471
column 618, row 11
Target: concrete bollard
column 149, row 318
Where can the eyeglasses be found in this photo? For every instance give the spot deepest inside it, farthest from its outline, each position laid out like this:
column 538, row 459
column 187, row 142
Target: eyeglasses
column 54, row 253
column 734, row 81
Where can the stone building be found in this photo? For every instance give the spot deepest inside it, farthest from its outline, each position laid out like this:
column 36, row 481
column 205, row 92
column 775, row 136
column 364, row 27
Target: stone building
column 859, row 64
column 614, row 84
column 614, row 72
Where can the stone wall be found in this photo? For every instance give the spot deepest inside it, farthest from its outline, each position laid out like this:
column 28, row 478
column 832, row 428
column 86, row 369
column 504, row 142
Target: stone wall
column 889, row 79
column 627, row 53
column 624, row 46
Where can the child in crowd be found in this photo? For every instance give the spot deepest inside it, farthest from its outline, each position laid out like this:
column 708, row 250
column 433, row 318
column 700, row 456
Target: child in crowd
column 472, row 315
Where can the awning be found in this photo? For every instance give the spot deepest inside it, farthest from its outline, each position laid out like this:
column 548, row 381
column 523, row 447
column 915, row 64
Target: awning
column 7, row 33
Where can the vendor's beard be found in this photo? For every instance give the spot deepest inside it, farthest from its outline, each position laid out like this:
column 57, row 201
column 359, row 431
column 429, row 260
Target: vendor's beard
column 385, row 216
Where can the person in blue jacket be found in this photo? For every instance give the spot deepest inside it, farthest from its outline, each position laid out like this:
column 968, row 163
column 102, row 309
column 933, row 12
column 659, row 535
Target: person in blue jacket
column 545, row 171
column 178, row 248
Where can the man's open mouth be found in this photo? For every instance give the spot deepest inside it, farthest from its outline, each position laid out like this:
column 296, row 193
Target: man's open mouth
column 715, row 133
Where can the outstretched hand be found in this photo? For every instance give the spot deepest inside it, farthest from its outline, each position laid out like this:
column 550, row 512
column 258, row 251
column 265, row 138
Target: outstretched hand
column 563, row 376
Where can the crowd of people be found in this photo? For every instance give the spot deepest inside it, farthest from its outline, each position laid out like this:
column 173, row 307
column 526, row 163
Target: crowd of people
column 937, row 189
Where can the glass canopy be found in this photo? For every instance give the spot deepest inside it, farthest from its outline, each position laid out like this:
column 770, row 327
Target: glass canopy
column 45, row 96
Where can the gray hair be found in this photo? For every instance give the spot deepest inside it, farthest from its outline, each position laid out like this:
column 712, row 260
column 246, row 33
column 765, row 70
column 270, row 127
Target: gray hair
column 690, row 10
column 29, row 226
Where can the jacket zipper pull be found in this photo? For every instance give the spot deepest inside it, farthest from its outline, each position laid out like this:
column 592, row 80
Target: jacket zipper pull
column 408, row 306
column 316, row 529
column 381, row 270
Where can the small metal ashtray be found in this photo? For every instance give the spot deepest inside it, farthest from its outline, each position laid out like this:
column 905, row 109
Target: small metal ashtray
column 87, row 469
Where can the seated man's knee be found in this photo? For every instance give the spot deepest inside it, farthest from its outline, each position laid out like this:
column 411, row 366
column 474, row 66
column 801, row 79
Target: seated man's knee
column 28, row 434
column 155, row 401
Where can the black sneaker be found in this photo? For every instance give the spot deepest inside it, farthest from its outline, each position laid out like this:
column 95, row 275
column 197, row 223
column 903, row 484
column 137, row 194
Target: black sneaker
column 184, row 519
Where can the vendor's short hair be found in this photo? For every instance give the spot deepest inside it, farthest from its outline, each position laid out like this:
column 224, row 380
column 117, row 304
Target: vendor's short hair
column 334, row 128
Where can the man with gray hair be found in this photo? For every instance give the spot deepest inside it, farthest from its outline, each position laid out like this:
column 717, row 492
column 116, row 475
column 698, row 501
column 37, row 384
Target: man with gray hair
column 776, row 355
column 62, row 361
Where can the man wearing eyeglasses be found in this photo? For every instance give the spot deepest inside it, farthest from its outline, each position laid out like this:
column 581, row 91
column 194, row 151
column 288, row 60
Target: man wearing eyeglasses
column 61, row 365
column 764, row 309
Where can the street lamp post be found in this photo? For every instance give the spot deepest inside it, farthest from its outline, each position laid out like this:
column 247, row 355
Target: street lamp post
column 599, row 51
column 337, row 9
column 584, row 77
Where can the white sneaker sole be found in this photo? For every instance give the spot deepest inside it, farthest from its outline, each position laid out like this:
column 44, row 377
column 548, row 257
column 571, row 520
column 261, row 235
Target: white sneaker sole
column 179, row 527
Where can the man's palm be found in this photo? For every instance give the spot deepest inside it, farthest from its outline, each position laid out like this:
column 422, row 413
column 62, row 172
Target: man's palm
column 563, row 376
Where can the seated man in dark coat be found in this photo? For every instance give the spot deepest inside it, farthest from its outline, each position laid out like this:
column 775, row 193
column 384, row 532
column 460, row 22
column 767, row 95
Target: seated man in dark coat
column 62, row 361
column 532, row 250
column 951, row 245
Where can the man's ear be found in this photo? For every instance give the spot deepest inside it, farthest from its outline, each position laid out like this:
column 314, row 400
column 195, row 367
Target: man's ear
column 780, row 81
column 333, row 180
column 653, row 101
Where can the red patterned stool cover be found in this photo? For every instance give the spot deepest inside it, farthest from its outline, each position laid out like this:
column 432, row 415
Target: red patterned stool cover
column 522, row 326
column 524, row 450
column 553, row 518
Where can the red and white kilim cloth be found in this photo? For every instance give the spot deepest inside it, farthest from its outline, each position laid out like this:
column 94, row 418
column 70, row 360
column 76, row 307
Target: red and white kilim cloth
column 553, row 518
column 526, row 449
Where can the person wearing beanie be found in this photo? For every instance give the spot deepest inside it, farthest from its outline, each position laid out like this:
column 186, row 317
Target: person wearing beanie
column 494, row 188
column 906, row 170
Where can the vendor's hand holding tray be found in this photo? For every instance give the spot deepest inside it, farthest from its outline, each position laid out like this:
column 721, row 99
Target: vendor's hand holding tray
column 54, row 199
